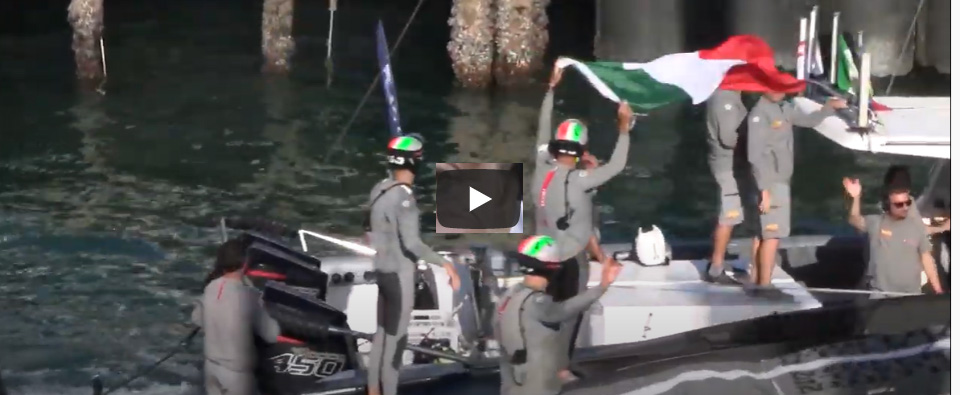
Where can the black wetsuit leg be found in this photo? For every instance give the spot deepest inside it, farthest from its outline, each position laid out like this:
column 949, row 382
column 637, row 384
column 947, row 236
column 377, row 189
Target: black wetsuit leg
column 565, row 285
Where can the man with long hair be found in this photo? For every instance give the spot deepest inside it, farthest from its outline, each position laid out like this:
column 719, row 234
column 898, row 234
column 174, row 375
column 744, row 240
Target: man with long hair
column 231, row 314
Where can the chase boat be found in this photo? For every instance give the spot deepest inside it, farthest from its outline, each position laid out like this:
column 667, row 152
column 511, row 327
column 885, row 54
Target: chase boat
column 659, row 329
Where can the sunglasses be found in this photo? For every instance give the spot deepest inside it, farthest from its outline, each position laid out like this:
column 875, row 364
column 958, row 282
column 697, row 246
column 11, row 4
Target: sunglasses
column 903, row 204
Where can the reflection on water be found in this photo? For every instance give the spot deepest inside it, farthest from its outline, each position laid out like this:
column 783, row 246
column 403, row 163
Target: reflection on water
column 108, row 204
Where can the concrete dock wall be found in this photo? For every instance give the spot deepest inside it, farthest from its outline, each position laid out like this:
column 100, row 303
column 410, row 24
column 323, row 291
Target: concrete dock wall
column 641, row 30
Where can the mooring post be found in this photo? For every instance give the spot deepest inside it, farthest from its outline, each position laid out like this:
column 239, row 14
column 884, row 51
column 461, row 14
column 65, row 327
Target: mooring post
column 471, row 45
column 86, row 18
column 521, row 40
column 277, row 35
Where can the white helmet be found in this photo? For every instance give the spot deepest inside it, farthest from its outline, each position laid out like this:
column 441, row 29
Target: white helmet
column 651, row 247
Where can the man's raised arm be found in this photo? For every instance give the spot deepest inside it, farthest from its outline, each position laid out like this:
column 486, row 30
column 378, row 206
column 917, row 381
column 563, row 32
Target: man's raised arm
column 618, row 160
column 854, row 217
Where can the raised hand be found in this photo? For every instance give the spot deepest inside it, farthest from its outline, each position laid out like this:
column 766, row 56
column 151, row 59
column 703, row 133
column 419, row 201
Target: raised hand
column 611, row 269
column 852, row 186
column 556, row 76
column 624, row 117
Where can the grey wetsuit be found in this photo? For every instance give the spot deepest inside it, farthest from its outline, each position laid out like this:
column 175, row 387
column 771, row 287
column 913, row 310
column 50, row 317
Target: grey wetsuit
column 230, row 314
column 725, row 114
column 531, row 320
column 560, row 191
column 770, row 152
column 395, row 234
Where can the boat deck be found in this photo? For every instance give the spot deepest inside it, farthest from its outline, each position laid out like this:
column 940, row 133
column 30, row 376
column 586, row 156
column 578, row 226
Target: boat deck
column 917, row 126
column 916, row 362
column 650, row 302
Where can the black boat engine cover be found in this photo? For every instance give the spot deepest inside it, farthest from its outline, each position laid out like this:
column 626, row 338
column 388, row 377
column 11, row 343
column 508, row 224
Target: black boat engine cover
column 267, row 262
column 305, row 353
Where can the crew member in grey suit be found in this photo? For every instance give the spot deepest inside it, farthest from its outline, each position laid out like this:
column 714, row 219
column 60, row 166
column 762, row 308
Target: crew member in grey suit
column 231, row 314
column 395, row 234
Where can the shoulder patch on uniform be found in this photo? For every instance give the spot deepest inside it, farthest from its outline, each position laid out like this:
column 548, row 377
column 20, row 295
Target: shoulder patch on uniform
column 406, row 203
column 582, row 173
column 728, row 106
column 538, row 298
column 406, row 188
column 755, row 119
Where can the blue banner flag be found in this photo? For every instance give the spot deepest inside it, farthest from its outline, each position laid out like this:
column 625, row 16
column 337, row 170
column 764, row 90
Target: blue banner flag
column 386, row 78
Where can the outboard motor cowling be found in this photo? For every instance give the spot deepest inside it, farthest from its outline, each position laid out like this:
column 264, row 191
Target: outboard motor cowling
column 267, row 262
column 306, row 352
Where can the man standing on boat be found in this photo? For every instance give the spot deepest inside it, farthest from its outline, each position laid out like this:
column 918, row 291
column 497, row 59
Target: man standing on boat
column 395, row 234
column 725, row 114
column 770, row 153
column 564, row 203
column 899, row 248
column 528, row 320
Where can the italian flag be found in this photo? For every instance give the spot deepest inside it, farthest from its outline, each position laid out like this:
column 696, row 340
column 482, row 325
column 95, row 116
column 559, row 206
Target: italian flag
column 848, row 77
column 743, row 63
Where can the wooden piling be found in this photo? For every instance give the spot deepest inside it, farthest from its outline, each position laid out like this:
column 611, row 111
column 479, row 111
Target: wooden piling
column 86, row 18
column 471, row 45
column 277, row 35
column 521, row 40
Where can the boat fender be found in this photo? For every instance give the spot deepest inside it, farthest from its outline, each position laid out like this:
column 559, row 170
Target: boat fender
column 651, row 247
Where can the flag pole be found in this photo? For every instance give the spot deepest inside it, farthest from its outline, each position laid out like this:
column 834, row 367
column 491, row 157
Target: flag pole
column 802, row 51
column 864, row 90
column 833, row 48
column 811, row 38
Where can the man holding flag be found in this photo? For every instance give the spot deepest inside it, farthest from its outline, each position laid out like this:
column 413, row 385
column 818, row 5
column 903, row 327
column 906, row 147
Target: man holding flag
column 564, row 204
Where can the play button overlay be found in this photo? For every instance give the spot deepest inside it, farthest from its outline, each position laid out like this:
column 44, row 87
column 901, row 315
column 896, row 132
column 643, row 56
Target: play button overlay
column 473, row 196
column 477, row 199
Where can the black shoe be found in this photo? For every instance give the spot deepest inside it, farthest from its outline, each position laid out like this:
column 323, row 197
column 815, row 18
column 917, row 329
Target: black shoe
column 769, row 292
column 722, row 279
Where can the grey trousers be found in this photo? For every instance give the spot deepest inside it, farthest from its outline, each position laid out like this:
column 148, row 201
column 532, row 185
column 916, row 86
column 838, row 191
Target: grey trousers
column 219, row 380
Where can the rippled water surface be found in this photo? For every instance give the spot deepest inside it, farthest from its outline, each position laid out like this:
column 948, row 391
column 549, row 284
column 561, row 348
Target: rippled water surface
column 108, row 203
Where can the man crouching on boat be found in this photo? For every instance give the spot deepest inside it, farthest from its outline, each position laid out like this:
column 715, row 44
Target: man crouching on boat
column 899, row 247
column 231, row 313
column 528, row 320
column 395, row 234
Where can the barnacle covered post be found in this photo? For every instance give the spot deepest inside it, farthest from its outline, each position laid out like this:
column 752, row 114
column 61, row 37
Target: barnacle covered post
column 521, row 40
column 277, row 35
column 86, row 18
column 471, row 45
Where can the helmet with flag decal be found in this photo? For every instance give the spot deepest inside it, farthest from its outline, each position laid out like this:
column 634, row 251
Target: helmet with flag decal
column 405, row 152
column 571, row 139
column 539, row 256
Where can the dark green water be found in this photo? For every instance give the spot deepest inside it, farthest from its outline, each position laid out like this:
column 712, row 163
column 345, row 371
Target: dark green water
column 107, row 203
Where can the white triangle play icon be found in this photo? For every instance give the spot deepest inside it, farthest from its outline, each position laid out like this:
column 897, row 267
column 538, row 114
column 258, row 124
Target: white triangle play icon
column 477, row 199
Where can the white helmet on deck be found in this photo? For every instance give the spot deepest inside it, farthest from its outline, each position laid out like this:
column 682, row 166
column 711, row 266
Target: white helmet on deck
column 651, row 248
